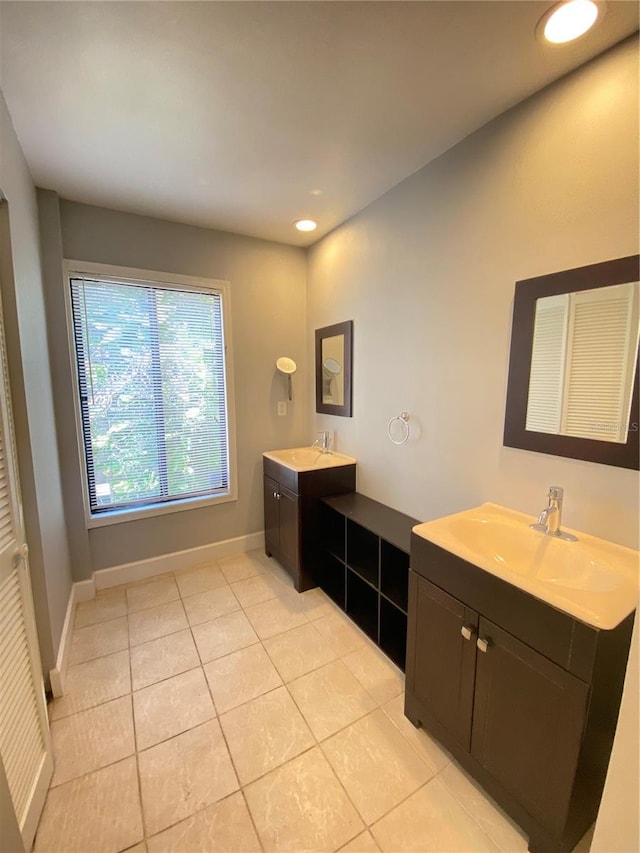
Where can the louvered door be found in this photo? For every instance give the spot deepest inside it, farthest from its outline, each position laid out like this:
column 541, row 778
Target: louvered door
column 25, row 749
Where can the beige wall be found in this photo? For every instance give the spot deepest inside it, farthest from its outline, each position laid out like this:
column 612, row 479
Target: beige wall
column 427, row 273
column 618, row 824
column 29, row 369
column 268, row 308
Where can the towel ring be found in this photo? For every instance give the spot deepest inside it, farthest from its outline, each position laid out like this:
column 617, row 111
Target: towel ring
column 403, row 418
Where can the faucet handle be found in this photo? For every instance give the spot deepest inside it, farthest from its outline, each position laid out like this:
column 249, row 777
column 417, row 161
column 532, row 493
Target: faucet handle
column 556, row 493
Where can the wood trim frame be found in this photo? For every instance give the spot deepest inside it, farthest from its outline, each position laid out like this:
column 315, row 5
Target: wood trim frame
column 346, row 329
column 618, row 271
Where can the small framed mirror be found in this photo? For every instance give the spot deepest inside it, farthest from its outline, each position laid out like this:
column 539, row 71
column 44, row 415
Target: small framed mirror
column 334, row 353
column 573, row 372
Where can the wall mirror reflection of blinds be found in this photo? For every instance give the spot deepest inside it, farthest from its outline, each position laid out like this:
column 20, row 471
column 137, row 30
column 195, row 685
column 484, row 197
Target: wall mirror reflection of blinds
column 585, row 348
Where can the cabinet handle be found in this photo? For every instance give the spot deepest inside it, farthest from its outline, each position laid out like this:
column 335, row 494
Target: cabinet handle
column 483, row 643
column 467, row 632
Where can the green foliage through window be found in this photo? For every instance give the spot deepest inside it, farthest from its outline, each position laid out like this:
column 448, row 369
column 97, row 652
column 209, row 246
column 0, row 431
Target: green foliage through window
column 151, row 375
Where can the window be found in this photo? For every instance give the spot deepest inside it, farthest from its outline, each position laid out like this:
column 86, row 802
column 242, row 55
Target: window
column 152, row 383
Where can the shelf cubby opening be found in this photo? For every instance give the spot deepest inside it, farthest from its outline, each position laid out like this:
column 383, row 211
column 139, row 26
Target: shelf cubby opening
column 331, row 531
column 394, row 574
column 330, row 576
column 362, row 604
column 393, row 632
column 362, row 551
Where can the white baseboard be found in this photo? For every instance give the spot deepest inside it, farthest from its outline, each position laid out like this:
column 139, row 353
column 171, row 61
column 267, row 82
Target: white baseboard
column 141, row 569
column 80, row 591
column 129, row 572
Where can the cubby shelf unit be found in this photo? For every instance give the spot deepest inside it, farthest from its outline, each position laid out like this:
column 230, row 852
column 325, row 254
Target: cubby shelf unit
column 363, row 565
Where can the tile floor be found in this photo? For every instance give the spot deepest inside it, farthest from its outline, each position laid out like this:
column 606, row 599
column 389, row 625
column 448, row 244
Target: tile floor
column 215, row 709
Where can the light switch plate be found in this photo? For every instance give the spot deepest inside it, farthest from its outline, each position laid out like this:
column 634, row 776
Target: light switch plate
column 282, row 407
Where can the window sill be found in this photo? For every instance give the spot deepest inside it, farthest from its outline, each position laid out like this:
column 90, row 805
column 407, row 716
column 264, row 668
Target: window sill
column 121, row 516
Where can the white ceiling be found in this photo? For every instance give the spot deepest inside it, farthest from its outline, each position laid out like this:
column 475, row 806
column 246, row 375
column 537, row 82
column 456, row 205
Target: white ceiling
column 245, row 116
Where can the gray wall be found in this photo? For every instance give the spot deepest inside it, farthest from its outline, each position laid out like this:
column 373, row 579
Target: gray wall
column 427, row 274
column 29, row 369
column 268, row 310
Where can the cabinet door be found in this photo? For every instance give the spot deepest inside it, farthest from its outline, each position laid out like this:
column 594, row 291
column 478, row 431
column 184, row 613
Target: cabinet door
column 271, row 516
column 289, row 530
column 441, row 676
column 527, row 724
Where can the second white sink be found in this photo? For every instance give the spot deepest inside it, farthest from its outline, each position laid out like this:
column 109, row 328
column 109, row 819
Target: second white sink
column 308, row 458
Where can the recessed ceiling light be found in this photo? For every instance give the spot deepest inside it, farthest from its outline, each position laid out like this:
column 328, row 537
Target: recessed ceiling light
column 306, row 225
column 568, row 21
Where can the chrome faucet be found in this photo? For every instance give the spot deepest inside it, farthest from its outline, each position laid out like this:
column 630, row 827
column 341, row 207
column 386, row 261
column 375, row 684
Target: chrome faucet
column 551, row 516
column 322, row 441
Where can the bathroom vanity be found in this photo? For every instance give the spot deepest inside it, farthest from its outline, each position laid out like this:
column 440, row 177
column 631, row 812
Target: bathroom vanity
column 523, row 691
column 294, row 482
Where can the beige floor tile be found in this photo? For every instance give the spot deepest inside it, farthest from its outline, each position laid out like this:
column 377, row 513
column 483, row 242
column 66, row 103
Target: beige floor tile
column 278, row 572
column 95, row 641
column 240, row 677
column 92, row 739
column 496, row 824
column 377, row 674
column 241, row 566
column 265, row 733
column 317, row 604
column 139, row 848
column 146, row 625
column 162, row 658
column 223, row 635
column 209, row 605
column 431, row 821
column 256, row 589
column 375, row 764
column 170, row 707
column 301, row 806
column 363, row 843
column 99, row 812
column 276, row 616
column 224, row 827
column 152, row 593
column 200, row 579
column 340, row 633
column 183, row 775
column 108, row 604
column 299, row 651
column 92, row 683
column 330, row 698
column 427, row 747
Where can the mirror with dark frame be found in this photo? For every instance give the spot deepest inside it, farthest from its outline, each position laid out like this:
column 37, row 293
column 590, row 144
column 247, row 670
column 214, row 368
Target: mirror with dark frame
column 334, row 349
column 573, row 371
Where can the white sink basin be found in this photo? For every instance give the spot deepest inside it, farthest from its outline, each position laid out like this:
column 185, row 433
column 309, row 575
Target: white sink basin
column 592, row 579
column 308, row 458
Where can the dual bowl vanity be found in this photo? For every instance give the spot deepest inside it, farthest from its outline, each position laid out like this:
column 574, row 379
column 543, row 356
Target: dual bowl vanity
column 514, row 642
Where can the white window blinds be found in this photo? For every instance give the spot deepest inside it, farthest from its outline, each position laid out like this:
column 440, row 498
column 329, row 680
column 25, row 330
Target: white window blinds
column 151, row 376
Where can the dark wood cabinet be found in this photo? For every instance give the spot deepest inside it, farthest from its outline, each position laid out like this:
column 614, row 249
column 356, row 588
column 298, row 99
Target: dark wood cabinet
column 524, row 696
column 528, row 720
column 291, row 507
column 363, row 566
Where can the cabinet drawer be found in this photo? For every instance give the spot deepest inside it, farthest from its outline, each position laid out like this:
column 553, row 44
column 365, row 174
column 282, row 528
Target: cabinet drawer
column 285, row 476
